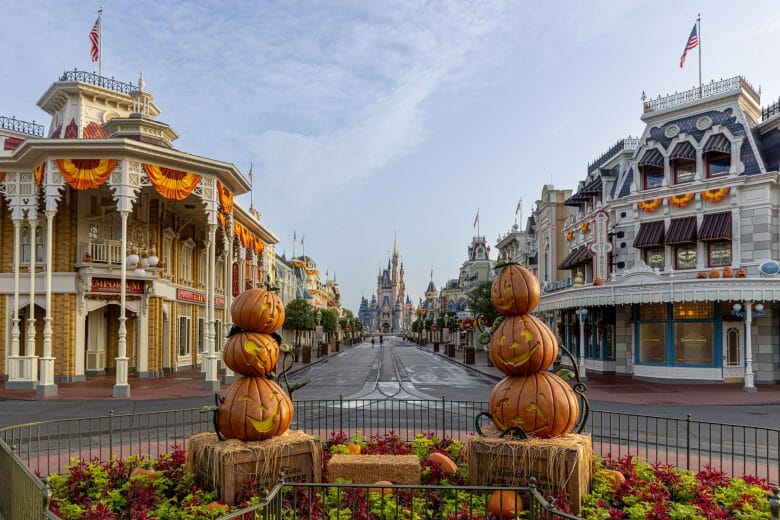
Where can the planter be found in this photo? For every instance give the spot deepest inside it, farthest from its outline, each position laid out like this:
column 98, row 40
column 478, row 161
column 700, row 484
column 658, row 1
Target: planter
column 336, row 346
column 450, row 350
column 323, row 349
column 468, row 356
column 435, row 346
column 306, row 354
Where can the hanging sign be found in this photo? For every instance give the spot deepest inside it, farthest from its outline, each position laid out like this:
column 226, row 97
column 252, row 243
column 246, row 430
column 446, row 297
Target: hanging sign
column 234, row 280
column 113, row 286
column 186, row 295
column 601, row 246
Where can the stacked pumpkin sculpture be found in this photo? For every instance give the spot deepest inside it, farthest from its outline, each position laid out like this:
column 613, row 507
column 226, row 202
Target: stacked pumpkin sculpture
column 529, row 400
column 254, row 408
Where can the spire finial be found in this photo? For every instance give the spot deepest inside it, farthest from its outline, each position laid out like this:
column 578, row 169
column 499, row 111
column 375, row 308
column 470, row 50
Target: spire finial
column 141, row 83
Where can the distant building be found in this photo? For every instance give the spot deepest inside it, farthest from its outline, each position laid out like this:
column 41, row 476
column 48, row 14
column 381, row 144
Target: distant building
column 390, row 309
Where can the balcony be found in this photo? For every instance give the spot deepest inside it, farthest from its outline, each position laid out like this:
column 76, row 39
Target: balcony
column 713, row 88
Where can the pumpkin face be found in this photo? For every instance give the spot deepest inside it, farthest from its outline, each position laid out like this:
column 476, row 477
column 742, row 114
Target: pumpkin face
column 251, row 353
column 254, row 409
column 515, row 291
column 258, row 310
column 505, row 503
column 522, row 345
column 542, row 404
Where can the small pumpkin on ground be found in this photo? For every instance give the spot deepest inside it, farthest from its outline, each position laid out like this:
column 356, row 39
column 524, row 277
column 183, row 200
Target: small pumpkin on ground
column 615, row 478
column 505, row 503
column 447, row 465
column 384, row 491
column 258, row 310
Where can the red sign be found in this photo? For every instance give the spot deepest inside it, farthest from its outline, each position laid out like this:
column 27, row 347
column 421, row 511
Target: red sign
column 185, row 295
column 113, row 286
column 235, row 279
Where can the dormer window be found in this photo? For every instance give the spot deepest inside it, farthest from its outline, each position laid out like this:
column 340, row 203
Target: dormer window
column 718, row 164
column 684, row 170
column 652, row 176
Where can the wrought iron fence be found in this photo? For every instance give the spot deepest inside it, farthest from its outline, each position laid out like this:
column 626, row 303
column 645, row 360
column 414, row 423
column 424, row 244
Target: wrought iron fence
column 22, row 127
column 770, row 110
column 712, row 88
column 100, row 81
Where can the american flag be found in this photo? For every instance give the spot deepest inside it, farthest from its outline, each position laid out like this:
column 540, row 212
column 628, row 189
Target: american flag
column 476, row 219
column 94, row 37
column 693, row 42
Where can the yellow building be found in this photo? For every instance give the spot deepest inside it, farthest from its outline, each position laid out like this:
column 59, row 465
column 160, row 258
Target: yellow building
column 118, row 253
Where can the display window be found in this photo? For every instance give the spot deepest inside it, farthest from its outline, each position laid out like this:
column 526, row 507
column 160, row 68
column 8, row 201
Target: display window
column 653, row 177
column 693, row 343
column 652, row 342
column 719, row 253
column 718, row 164
column 685, row 257
column 654, row 258
column 684, row 171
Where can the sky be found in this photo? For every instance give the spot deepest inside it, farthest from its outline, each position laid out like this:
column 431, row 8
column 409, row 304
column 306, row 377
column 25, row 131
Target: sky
column 369, row 120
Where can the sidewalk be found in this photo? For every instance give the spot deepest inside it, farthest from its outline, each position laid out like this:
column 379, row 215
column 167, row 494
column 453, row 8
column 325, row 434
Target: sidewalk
column 176, row 385
column 627, row 390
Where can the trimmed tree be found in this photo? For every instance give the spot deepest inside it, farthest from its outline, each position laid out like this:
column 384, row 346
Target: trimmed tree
column 298, row 316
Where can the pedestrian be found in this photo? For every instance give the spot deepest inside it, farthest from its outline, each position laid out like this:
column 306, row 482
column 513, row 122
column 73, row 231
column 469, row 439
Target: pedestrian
column 372, row 341
column 381, row 340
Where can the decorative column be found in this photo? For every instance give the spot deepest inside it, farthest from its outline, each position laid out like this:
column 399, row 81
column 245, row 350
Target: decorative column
column 46, row 386
column 121, row 387
column 749, row 375
column 29, row 361
column 228, row 319
column 14, row 362
column 582, row 313
column 211, row 382
column 254, row 269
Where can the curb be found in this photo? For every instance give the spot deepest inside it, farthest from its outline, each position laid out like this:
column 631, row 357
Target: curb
column 461, row 363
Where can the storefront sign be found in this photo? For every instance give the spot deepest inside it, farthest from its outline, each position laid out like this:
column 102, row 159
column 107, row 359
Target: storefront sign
column 113, row 286
column 185, row 295
column 601, row 246
column 234, row 281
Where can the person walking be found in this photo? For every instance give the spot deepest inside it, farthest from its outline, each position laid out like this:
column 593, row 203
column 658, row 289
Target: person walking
column 381, row 340
column 372, row 341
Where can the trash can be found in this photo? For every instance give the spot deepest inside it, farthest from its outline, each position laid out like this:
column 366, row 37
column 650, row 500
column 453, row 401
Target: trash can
column 468, row 356
column 435, row 346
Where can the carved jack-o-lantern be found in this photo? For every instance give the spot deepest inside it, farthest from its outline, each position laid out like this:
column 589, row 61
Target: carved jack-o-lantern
column 258, row 310
column 542, row 404
column 254, row 409
column 515, row 290
column 251, row 353
column 522, row 345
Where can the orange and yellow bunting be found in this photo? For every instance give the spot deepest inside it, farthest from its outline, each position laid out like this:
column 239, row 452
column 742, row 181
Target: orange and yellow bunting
column 39, row 172
column 649, row 205
column 585, row 227
column 225, row 198
column 570, row 235
column 222, row 221
column 715, row 195
column 85, row 174
column 680, row 201
column 171, row 184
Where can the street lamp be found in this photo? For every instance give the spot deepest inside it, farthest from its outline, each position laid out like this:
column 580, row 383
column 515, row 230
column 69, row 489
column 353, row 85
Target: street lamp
column 446, row 327
column 582, row 314
column 748, row 312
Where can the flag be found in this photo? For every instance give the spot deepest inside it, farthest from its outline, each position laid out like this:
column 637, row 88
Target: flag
column 692, row 43
column 249, row 175
column 295, row 237
column 94, row 37
column 301, row 239
column 519, row 206
column 476, row 219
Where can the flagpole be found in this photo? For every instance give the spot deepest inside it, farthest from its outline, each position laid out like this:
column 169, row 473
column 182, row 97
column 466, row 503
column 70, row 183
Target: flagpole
column 100, row 41
column 698, row 29
column 251, row 188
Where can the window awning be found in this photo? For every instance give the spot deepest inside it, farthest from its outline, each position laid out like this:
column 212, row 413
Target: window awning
column 652, row 158
column 716, row 226
column 682, row 231
column 584, row 256
column 651, row 234
column 567, row 261
column 577, row 256
column 684, row 150
column 593, row 187
column 718, row 143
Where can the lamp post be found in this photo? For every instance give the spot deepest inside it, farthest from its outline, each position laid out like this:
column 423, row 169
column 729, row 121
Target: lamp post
column 582, row 314
column 750, row 310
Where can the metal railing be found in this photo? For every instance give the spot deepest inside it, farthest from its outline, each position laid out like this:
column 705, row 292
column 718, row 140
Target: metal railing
column 97, row 80
column 771, row 110
column 627, row 143
column 21, row 127
column 712, row 88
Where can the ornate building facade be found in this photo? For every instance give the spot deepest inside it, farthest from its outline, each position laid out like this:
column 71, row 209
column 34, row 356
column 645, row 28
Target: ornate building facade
column 390, row 308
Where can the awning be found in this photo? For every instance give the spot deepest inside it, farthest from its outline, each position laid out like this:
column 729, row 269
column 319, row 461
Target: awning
column 593, row 187
column 716, row 226
column 583, row 257
column 718, row 143
column 575, row 200
column 577, row 256
column 567, row 262
column 684, row 150
column 682, row 231
column 651, row 234
column 652, row 158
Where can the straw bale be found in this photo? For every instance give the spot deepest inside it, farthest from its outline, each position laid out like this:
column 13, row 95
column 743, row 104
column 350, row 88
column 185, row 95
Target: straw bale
column 367, row 469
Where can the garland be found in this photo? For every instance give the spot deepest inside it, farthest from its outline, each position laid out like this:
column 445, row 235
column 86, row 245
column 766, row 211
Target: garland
column 171, row 184
column 39, row 172
column 715, row 195
column 649, row 205
column 85, row 174
column 225, row 198
column 680, row 201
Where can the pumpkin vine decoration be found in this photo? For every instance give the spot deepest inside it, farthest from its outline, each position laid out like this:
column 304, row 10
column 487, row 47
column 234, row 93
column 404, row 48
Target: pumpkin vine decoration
column 680, row 201
column 715, row 195
column 649, row 205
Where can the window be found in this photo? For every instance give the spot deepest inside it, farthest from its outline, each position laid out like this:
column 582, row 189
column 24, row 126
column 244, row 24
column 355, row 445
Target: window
column 186, row 264
column 185, row 336
column 733, row 348
column 25, row 249
column 94, row 233
column 653, row 177
column 167, row 259
column 219, row 339
column 720, row 253
column 202, row 272
column 201, row 334
column 684, row 170
column 693, row 343
column 693, row 311
column 654, row 258
column 652, row 342
column 652, row 311
column 718, row 164
column 220, row 274
column 685, row 257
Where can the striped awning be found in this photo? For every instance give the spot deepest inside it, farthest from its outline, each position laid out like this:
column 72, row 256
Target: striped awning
column 577, row 256
column 716, row 226
column 718, row 143
column 652, row 158
column 651, row 234
column 684, row 150
column 593, row 187
column 682, row 231
column 567, row 261
column 583, row 257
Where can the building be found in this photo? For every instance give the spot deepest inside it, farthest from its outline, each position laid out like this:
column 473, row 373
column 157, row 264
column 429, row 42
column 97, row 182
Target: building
column 390, row 309
column 127, row 247
column 674, row 243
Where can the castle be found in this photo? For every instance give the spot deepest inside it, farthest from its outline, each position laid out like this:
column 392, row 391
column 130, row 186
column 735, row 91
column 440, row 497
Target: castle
column 390, row 309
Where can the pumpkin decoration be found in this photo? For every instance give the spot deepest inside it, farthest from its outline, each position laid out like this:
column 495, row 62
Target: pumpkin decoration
column 258, row 310
column 447, row 465
column 701, row 274
column 615, row 478
column 713, row 273
column 522, row 345
column 585, row 228
column 515, row 291
column 740, row 273
column 251, row 353
column 728, row 272
column 384, row 491
column 254, row 409
column 505, row 503
column 715, row 195
column 542, row 404
column 598, row 281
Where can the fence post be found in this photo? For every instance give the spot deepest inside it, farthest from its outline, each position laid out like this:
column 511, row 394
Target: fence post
column 110, row 434
column 341, row 413
column 688, row 442
column 443, row 418
column 774, row 503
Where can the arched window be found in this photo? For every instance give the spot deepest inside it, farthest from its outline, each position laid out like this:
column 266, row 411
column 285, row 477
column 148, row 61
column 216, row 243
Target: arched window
column 733, row 348
column 547, row 262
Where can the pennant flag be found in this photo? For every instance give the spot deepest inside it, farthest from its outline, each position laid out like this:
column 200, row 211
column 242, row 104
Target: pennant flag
column 249, row 175
column 295, row 237
column 94, row 37
column 301, row 239
column 692, row 43
column 476, row 219
column 519, row 206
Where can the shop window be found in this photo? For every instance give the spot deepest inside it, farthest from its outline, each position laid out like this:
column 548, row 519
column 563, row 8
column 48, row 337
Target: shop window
column 685, row 256
column 654, row 258
column 652, row 311
column 693, row 343
column 693, row 311
column 720, row 253
column 652, row 342
column 733, row 348
column 653, row 177
column 684, row 171
column 185, row 335
column 201, row 335
column 718, row 164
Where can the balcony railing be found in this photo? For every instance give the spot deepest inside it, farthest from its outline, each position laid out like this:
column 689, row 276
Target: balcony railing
column 713, row 88
column 771, row 110
column 21, row 127
column 99, row 81
column 101, row 252
column 628, row 143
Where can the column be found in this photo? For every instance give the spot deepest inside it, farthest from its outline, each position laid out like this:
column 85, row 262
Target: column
column 46, row 386
column 229, row 375
column 583, row 315
column 210, row 382
column 749, row 375
column 121, row 387
column 29, row 360
column 14, row 362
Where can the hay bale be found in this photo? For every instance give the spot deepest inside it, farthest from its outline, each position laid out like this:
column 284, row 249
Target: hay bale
column 366, row 469
column 228, row 465
column 560, row 462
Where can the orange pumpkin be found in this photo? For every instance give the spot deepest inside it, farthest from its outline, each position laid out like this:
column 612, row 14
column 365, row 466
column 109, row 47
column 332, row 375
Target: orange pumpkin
column 615, row 478
column 143, row 472
column 515, row 291
column 447, row 465
column 258, row 310
column 254, row 409
column 522, row 345
column 542, row 404
column 251, row 353
column 384, row 491
column 505, row 503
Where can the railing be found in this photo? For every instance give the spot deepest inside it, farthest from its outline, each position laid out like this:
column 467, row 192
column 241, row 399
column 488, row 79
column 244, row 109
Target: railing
column 771, row 110
column 101, row 252
column 21, row 127
column 100, row 81
column 712, row 88
column 628, row 143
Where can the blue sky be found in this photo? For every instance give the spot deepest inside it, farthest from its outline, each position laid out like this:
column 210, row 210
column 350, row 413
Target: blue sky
column 365, row 119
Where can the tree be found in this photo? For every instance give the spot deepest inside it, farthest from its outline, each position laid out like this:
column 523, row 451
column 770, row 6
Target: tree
column 298, row 316
column 480, row 304
column 329, row 321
